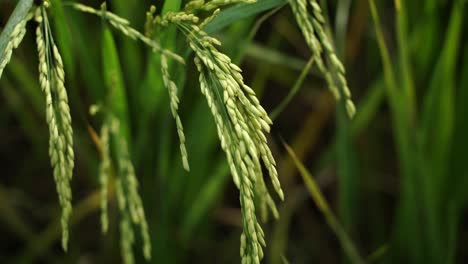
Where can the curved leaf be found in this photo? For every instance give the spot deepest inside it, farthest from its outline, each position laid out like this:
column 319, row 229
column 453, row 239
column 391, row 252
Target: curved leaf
column 238, row 12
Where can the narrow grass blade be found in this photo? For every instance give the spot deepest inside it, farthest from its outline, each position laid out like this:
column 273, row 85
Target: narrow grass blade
column 272, row 56
column 253, row 32
column 315, row 193
column 348, row 180
column 377, row 254
column 405, row 59
column 437, row 133
column 297, row 85
column 64, row 39
column 459, row 170
column 116, row 94
column 341, row 25
column 408, row 230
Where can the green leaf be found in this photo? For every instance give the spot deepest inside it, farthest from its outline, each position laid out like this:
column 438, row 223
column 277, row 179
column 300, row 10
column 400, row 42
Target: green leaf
column 173, row 5
column 238, row 12
column 64, row 39
column 116, row 96
column 439, row 103
column 207, row 197
column 437, row 133
column 319, row 199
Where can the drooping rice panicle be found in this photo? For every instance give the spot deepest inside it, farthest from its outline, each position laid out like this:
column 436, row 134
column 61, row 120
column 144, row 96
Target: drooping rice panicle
column 239, row 164
column 336, row 67
column 133, row 199
column 51, row 77
column 126, row 188
column 319, row 43
column 127, row 236
column 124, row 27
column 241, row 123
column 15, row 39
column 172, row 88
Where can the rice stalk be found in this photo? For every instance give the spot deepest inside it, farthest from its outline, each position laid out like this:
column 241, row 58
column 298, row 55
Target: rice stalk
column 51, row 77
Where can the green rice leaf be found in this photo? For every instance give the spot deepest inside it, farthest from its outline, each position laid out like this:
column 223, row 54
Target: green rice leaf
column 116, row 93
column 238, row 12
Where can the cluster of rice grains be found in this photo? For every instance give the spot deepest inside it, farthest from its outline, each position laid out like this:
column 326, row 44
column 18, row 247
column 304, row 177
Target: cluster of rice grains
column 115, row 158
column 240, row 120
column 14, row 40
column 51, row 78
column 312, row 28
column 126, row 189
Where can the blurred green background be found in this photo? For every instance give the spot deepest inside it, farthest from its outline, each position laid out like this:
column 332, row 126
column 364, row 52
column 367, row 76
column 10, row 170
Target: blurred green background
column 396, row 176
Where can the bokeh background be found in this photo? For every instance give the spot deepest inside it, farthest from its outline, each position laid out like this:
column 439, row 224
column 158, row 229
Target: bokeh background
column 395, row 176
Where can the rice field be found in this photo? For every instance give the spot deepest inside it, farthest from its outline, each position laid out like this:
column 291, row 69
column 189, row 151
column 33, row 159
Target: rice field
column 233, row 131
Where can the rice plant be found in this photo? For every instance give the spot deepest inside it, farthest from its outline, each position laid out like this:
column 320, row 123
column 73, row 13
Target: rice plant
column 206, row 131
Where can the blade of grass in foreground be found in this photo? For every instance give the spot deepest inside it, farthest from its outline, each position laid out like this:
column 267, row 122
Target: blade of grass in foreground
column 408, row 229
column 314, row 191
column 437, row 134
column 348, row 179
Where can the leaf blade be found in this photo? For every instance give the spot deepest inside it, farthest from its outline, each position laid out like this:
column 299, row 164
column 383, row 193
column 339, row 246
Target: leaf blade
column 240, row 11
